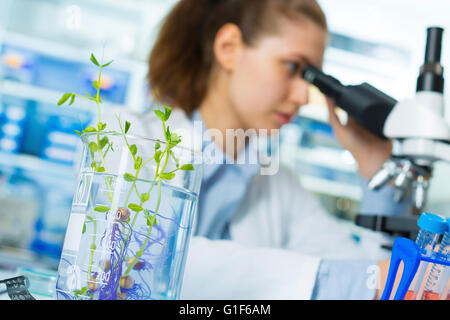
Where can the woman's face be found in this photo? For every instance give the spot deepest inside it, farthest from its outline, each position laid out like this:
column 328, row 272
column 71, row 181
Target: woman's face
column 265, row 87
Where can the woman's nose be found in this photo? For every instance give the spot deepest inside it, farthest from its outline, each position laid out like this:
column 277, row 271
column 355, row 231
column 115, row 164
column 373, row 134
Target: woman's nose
column 299, row 92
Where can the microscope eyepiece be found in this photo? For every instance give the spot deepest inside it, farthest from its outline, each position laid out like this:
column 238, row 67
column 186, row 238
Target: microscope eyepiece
column 328, row 85
column 434, row 45
column 431, row 77
column 369, row 106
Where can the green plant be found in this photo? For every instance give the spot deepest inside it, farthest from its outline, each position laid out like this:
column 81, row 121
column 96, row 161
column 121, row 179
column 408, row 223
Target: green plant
column 102, row 146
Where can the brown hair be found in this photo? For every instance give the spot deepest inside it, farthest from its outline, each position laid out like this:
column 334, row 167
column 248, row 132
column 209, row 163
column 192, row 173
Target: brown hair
column 182, row 56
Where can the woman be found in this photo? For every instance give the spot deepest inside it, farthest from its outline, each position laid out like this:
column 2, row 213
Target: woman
column 236, row 64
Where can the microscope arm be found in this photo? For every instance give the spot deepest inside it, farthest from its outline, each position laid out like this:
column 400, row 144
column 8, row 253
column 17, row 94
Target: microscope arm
column 442, row 151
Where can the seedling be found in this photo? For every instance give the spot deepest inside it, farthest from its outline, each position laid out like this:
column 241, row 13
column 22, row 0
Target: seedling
column 162, row 154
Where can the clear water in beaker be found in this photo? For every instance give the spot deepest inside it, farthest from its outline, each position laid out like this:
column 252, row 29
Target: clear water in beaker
column 120, row 253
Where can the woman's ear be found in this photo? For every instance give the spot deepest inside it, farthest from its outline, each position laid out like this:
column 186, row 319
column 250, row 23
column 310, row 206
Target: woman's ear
column 227, row 46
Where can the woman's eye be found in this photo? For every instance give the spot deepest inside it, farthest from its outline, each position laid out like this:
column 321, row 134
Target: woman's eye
column 293, row 67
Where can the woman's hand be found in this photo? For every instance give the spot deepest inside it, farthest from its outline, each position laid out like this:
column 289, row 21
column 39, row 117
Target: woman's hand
column 369, row 151
column 383, row 266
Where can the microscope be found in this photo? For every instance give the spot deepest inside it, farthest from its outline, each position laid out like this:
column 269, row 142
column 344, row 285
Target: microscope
column 416, row 126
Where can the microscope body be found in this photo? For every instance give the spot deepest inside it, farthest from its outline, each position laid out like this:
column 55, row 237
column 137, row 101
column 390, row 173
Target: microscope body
column 420, row 137
column 416, row 126
column 419, row 131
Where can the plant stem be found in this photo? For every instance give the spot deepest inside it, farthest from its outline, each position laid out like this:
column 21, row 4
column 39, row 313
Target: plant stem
column 97, row 97
column 91, row 258
column 80, row 96
column 141, row 251
column 100, row 152
column 158, row 179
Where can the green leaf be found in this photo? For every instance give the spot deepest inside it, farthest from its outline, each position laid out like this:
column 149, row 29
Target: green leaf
column 84, row 228
column 103, row 142
column 167, row 176
column 93, row 147
column 101, row 126
column 177, row 161
column 129, row 177
column 64, row 98
column 89, row 129
column 135, row 207
column 158, row 156
column 175, row 137
column 102, row 209
column 187, row 167
column 127, row 126
column 174, row 140
column 78, row 132
column 107, row 64
column 145, row 197
column 151, row 220
column 167, row 133
column 72, row 99
column 80, row 292
column 97, row 98
column 157, row 146
column 94, row 61
column 100, row 169
column 168, row 111
column 133, row 149
column 160, row 115
column 96, row 84
column 138, row 163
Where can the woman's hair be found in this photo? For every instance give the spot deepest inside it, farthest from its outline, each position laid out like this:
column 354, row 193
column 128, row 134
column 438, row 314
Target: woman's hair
column 182, row 57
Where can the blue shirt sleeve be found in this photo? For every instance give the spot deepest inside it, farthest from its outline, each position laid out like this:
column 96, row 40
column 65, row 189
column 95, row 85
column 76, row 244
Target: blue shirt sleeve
column 344, row 280
column 381, row 202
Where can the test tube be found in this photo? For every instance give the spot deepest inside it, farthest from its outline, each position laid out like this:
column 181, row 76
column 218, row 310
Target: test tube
column 438, row 278
column 431, row 227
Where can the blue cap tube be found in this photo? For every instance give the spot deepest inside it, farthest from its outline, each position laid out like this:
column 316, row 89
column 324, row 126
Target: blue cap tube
column 432, row 223
column 439, row 274
column 431, row 227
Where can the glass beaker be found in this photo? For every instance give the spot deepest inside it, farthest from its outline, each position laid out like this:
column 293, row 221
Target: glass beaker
column 131, row 217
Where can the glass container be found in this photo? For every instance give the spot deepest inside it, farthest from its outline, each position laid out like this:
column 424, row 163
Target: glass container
column 131, row 219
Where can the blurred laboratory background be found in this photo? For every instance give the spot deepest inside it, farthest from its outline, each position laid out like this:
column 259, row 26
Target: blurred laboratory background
column 45, row 47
